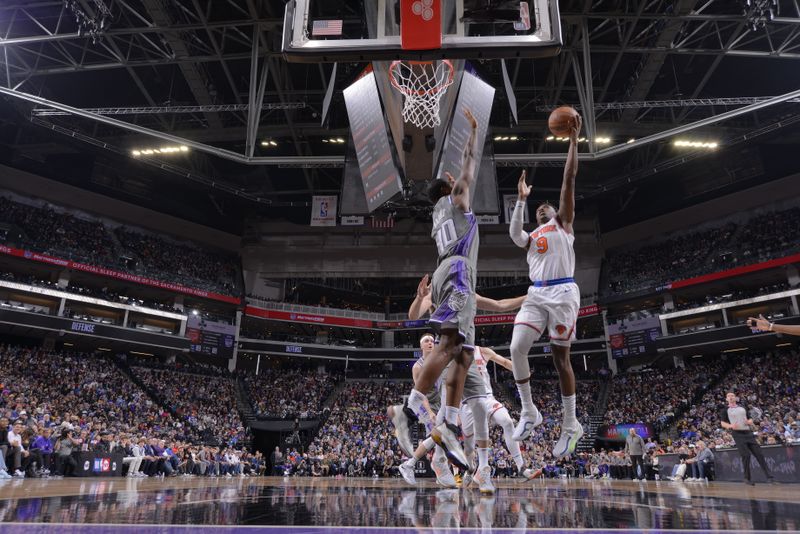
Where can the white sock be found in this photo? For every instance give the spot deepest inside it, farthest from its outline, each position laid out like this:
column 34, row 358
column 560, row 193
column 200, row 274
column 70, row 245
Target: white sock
column 525, row 397
column 570, row 421
column 483, row 457
column 416, row 402
column 518, row 461
column 428, row 444
column 451, row 415
column 411, row 462
column 469, row 446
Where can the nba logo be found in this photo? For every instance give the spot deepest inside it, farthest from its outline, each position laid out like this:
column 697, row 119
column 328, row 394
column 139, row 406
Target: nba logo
column 323, row 208
column 97, row 465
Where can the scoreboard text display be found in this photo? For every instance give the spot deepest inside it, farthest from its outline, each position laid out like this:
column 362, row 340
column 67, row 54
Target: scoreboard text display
column 210, row 338
column 633, row 337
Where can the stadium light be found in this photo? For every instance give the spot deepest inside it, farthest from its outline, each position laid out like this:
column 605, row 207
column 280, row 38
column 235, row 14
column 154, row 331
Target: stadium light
column 683, row 143
column 269, row 143
column 598, row 140
column 167, row 150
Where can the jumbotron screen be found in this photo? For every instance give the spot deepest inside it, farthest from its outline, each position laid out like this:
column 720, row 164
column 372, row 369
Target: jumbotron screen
column 210, row 338
column 633, row 337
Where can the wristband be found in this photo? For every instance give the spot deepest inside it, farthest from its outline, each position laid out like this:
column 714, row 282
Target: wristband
column 520, row 204
column 770, row 326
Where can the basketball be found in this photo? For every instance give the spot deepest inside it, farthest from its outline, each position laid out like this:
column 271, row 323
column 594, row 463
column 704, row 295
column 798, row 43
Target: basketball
column 561, row 120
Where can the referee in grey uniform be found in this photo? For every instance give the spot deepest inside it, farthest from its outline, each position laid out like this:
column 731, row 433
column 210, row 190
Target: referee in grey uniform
column 734, row 419
column 634, row 448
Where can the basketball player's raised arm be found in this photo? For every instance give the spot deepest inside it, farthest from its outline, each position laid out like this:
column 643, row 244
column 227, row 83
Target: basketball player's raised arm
column 492, row 356
column 422, row 302
column 504, row 305
column 566, row 207
column 515, row 230
column 763, row 325
column 462, row 186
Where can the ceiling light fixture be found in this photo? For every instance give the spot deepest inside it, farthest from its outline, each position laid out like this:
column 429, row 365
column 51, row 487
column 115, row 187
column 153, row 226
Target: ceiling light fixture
column 684, row 143
column 166, row 150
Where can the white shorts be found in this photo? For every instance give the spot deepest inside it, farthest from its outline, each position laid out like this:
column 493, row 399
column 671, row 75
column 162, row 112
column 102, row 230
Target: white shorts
column 493, row 406
column 554, row 308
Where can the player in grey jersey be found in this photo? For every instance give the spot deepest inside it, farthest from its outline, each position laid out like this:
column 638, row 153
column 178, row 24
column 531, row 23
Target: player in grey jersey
column 455, row 230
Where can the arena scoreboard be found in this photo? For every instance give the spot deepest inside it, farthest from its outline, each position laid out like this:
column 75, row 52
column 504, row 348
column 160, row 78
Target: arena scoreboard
column 210, row 338
column 634, row 337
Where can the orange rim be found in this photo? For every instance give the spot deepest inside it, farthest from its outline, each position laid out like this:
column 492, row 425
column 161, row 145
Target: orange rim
column 433, row 90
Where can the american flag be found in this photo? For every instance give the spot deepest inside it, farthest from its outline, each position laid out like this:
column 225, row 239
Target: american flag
column 327, row 27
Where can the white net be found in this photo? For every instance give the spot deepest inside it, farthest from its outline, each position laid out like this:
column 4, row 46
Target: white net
column 422, row 84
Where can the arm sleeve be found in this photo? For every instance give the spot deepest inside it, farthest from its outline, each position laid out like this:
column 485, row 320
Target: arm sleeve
column 518, row 235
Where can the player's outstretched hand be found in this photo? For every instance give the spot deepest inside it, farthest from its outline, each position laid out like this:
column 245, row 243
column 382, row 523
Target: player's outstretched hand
column 424, row 287
column 471, row 118
column 523, row 189
column 575, row 130
column 760, row 324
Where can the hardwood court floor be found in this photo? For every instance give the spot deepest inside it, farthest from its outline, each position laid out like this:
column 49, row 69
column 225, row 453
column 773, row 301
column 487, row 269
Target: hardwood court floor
column 367, row 505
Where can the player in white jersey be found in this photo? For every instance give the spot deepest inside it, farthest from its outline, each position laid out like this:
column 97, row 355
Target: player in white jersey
column 474, row 395
column 497, row 412
column 553, row 300
column 435, row 406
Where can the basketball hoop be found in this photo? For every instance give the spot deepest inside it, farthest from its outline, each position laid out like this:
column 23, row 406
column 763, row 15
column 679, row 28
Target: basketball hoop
column 422, row 84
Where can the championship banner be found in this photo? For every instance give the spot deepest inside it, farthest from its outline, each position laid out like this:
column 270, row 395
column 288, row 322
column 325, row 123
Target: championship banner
column 128, row 277
column 323, row 211
column 509, row 201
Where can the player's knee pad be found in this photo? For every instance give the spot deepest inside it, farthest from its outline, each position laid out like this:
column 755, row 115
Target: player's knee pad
column 480, row 417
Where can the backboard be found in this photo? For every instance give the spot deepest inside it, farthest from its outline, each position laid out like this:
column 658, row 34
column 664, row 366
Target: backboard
column 370, row 30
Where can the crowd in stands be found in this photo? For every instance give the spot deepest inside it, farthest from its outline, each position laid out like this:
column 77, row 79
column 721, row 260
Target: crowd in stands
column 59, row 233
column 547, row 398
column 288, row 393
column 180, row 417
column 766, row 381
column 55, row 402
column 62, row 234
column 769, row 236
column 686, row 303
column 207, row 404
column 702, row 252
column 156, row 256
column 357, row 438
column 657, row 396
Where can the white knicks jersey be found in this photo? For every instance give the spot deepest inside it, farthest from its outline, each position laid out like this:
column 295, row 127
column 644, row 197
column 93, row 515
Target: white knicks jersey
column 551, row 255
column 480, row 362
